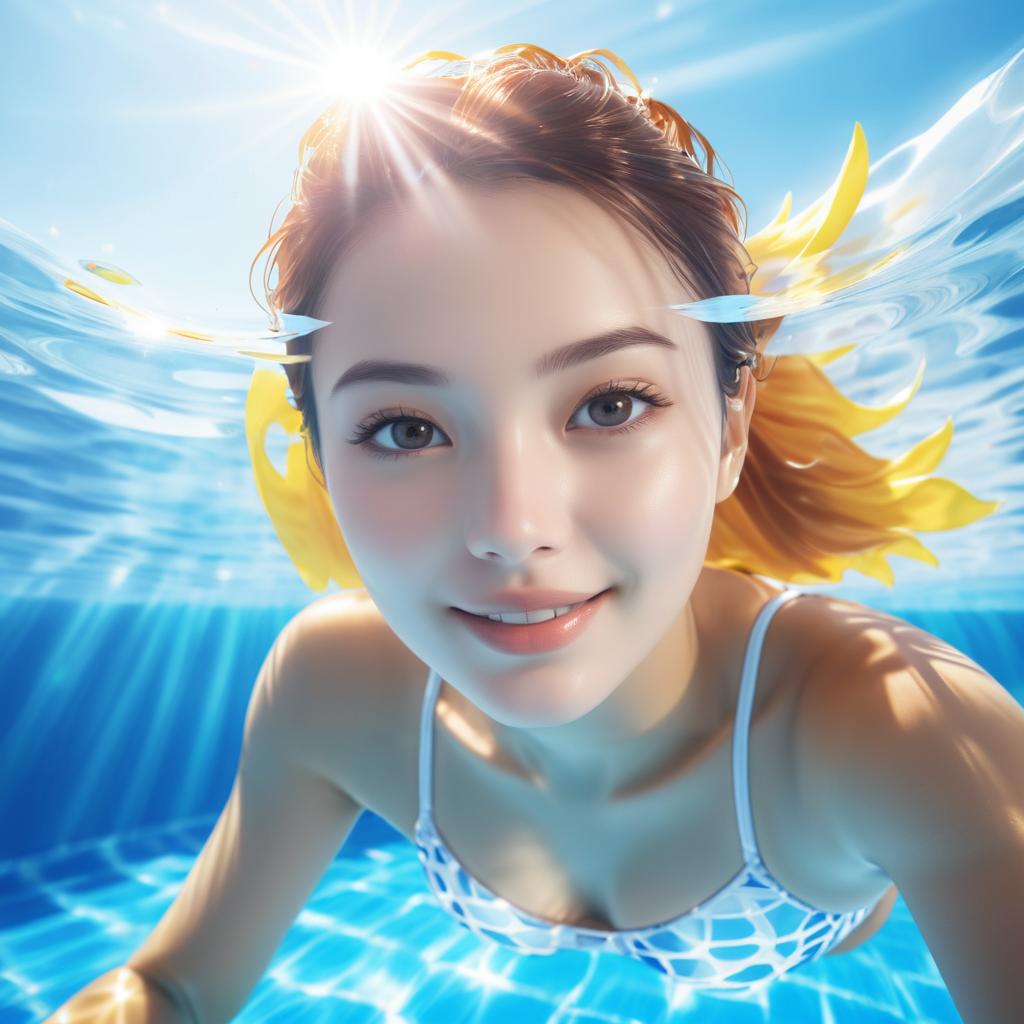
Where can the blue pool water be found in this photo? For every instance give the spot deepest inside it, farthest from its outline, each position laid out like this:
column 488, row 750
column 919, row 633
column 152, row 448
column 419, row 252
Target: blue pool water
column 121, row 729
column 141, row 586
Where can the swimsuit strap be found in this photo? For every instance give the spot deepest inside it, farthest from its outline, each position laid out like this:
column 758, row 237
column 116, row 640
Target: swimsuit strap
column 427, row 742
column 741, row 728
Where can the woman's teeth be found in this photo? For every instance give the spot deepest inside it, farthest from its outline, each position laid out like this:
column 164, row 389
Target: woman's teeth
column 540, row 615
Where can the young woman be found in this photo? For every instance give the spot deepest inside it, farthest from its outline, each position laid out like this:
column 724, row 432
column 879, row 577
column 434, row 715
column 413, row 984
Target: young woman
column 569, row 664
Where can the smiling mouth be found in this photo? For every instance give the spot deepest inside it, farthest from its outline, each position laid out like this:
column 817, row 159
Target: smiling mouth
column 540, row 638
column 571, row 607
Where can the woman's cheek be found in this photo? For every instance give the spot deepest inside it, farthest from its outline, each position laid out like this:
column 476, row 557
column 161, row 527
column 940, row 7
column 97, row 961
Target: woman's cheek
column 664, row 502
column 394, row 520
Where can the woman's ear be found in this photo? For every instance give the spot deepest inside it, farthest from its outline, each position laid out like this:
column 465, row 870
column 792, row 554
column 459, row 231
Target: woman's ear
column 738, row 410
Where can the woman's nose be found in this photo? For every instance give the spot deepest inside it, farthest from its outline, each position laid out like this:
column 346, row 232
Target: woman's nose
column 517, row 503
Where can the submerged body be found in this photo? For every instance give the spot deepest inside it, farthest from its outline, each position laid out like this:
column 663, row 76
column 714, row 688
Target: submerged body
column 751, row 929
column 849, row 751
column 621, row 864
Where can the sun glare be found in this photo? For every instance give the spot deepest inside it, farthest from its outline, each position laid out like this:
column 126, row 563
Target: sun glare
column 357, row 74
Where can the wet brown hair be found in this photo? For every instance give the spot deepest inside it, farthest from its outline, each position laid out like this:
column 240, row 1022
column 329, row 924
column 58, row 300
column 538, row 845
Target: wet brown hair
column 525, row 116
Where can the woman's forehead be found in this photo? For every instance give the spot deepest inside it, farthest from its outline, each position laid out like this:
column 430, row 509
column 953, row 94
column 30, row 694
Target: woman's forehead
column 533, row 260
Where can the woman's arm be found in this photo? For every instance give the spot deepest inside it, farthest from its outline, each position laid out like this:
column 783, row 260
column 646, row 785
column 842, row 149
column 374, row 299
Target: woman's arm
column 281, row 827
column 921, row 759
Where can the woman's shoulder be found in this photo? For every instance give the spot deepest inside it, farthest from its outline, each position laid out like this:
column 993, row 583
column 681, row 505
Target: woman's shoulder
column 888, row 720
column 861, row 657
column 854, row 660
column 352, row 655
column 350, row 695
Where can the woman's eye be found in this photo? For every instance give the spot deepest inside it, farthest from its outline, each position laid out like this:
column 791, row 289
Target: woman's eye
column 616, row 408
column 611, row 410
column 408, row 429
column 412, row 434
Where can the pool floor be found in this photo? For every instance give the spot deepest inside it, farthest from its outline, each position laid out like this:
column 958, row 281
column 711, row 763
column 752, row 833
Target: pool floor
column 372, row 945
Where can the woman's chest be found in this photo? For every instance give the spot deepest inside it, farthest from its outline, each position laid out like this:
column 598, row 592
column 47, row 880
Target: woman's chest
column 627, row 864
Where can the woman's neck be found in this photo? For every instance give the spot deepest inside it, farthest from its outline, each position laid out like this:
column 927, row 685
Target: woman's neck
column 650, row 726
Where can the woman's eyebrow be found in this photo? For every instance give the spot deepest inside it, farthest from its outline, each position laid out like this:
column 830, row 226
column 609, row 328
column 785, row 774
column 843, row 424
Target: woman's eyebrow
column 574, row 353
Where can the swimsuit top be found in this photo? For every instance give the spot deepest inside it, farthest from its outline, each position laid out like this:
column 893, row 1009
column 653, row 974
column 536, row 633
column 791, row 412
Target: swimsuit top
column 750, row 931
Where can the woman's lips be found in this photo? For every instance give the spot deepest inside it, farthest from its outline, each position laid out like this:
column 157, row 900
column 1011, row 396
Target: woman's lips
column 534, row 637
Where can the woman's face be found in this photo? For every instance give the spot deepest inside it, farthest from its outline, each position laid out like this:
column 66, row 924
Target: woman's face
column 510, row 478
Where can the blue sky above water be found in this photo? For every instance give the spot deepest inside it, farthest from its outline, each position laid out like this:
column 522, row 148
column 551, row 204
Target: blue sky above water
column 161, row 136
